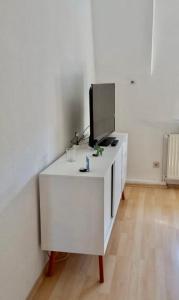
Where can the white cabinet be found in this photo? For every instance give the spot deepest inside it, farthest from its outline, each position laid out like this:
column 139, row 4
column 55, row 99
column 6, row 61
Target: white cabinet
column 78, row 209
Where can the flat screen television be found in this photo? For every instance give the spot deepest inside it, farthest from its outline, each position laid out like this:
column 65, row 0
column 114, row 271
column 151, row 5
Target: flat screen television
column 102, row 112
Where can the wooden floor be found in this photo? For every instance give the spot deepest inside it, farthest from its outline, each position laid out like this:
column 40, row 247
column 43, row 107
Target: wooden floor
column 142, row 260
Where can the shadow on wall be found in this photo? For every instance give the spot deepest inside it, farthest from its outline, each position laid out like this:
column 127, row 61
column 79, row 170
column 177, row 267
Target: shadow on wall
column 70, row 104
column 20, row 231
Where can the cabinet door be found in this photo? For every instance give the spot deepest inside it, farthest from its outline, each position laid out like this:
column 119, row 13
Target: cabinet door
column 124, row 164
column 117, row 185
column 107, row 203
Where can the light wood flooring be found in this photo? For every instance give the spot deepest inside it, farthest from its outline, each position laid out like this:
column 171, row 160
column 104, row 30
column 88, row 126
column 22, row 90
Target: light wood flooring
column 142, row 260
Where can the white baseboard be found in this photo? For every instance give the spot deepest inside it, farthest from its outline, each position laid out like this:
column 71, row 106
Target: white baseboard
column 172, row 181
column 145, row 182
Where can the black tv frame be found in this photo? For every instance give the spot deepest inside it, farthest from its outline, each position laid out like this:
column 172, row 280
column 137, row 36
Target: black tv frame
column 92, row 141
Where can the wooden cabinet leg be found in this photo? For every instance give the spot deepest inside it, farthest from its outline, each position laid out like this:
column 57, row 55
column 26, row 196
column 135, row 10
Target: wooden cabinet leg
column 51, row 264
column 101, row 270
column 123, row 196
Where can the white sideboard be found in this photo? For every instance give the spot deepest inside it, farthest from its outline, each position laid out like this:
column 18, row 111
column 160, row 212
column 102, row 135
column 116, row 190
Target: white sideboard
column 78, row 209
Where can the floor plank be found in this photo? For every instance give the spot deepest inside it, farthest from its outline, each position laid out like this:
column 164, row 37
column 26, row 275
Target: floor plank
column 142, row 259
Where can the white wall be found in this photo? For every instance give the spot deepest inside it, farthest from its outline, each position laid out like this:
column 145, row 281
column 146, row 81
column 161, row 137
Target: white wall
column 46, row 67
column 130, row 41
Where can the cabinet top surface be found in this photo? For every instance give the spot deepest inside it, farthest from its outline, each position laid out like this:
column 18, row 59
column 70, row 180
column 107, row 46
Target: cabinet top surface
column 98, row 165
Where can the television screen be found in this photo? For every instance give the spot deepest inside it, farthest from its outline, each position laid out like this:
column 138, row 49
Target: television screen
column 102, row 111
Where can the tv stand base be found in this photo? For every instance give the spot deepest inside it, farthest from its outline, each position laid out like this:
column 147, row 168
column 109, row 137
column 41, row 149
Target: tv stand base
column 107, row 141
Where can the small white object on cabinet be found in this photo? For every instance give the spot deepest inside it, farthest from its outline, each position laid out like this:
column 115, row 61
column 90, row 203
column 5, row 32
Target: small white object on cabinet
column 78, row 209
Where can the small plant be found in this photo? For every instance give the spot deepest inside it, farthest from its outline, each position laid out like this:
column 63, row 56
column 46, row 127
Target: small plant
column 99, row 150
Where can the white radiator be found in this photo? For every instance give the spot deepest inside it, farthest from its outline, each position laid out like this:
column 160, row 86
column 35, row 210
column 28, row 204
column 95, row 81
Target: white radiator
column 173, row 158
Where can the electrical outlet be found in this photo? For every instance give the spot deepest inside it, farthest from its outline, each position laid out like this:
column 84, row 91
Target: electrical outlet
column 156, row 164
